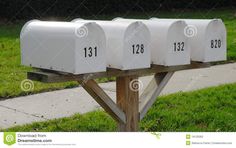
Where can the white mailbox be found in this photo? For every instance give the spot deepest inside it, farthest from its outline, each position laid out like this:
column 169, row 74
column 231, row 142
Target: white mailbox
column 207, row 39
column 209, row 42
column 127, row 44
column 169, row 45
column 63, row 46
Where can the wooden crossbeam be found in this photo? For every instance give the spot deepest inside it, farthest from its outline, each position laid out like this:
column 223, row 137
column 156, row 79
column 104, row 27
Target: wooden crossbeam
column 52, row 76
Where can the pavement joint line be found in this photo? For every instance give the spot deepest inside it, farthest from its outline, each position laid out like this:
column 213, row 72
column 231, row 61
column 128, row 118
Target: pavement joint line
column 6, row 107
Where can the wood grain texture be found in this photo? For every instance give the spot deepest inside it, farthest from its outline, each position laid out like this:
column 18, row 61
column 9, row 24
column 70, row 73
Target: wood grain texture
column 128, row 101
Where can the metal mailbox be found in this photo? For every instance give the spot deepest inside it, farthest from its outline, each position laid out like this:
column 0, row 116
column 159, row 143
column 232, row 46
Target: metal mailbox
column 209, row 41
column 63, row 46
column 169, row 45
column 128, row 44
column 207, row 38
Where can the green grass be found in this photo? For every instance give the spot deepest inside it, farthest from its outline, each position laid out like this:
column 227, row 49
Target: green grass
column 210, row 109
column 12, row 73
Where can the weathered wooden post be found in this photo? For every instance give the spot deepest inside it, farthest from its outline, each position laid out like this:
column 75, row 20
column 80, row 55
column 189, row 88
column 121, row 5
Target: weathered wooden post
column 128, row 102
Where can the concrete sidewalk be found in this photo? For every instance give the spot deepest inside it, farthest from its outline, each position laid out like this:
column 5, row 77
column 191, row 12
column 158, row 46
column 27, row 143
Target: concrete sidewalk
column 63, row 103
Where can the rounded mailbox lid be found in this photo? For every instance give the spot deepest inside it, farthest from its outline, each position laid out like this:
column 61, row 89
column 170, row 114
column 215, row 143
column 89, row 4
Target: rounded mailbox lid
column 215, row 41
column 175, row 42
column 137, row 52
column 91, row 47
column 60, row 46
column 209, row 43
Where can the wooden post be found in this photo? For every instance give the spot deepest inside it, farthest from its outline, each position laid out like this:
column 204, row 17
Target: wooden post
column 128, row 101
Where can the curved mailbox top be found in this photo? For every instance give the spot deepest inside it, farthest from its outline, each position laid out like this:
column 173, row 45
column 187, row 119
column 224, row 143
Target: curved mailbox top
column 63, row 46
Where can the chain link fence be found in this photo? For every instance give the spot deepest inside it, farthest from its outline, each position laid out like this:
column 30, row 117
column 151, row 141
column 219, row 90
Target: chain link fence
column 38, row 9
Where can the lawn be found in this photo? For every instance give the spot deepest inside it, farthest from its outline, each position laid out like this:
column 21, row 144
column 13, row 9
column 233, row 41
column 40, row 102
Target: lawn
column 12, row 73
column 210, row 109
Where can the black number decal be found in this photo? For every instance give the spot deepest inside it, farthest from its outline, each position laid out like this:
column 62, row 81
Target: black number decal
column 142, row 48
column 216, row 43
column 178, row 46
column 182, row 46
column 138, row 48
column 133, row 48
column 212, row 43
column 90, row 52
column 95, row 48
column 85, row 52
column 219, row 43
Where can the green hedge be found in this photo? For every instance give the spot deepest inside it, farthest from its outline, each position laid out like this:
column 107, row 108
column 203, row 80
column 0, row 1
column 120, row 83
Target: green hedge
column 28, row 9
